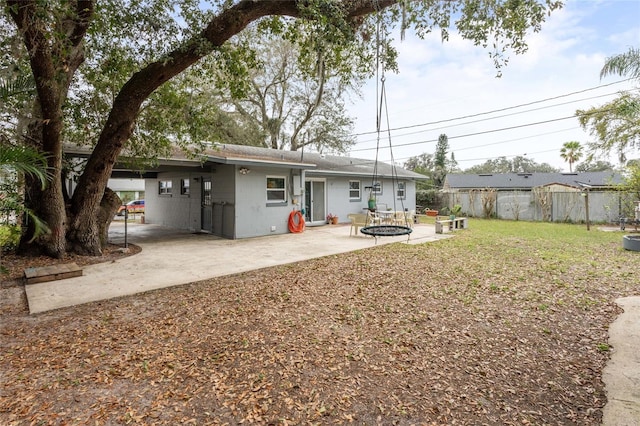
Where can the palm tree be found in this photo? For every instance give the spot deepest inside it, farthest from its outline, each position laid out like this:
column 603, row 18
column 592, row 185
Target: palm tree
column 623, row 64
column 18, row 160
column 571, row 152
column 23, row 160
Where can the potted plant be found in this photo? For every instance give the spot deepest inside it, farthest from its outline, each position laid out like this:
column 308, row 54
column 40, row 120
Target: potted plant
column 455, row 210
column 372, row 201
column 332, row 219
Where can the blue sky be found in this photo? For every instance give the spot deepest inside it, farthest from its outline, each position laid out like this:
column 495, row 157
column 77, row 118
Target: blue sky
column 444, row 81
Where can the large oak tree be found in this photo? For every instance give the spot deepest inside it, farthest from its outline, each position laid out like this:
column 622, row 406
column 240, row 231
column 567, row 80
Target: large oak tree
column 297, row 101
column 55, row 32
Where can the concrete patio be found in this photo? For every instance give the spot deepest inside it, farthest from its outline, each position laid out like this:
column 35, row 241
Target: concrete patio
column 171, row 257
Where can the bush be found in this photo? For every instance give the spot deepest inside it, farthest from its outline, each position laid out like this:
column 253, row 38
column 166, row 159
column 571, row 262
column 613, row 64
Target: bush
column 9, row 237
column 431, row 198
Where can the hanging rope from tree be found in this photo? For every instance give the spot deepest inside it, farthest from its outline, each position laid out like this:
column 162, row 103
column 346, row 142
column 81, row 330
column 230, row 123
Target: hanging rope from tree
column 381, row 105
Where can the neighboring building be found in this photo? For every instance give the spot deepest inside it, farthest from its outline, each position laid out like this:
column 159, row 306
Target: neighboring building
column 241, row 191
column 539, row 196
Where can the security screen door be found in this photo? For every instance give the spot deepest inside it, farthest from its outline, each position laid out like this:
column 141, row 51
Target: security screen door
column 206, row 205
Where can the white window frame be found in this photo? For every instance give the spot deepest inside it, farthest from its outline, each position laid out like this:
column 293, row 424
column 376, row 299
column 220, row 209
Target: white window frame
column 401, row 192
column 271, row 191
column 357, row 197
column 376, row 187
column 165, row 187
column 185, row 187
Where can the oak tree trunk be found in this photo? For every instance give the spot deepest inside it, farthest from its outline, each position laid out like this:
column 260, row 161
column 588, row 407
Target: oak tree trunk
column 47, row 203
column 87, row 234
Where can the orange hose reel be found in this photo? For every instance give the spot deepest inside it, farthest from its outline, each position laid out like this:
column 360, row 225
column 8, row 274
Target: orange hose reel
column 296, row 227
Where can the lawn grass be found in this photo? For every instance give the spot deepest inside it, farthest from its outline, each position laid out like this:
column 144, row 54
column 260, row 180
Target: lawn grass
column 550, row 263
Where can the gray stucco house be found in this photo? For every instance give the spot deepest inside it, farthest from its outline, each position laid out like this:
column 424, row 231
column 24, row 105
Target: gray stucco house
column 236, row 191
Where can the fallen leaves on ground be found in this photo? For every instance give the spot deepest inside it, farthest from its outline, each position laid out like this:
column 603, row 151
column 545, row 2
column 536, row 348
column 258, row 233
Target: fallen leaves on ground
column 461, row 331
column 16, row 264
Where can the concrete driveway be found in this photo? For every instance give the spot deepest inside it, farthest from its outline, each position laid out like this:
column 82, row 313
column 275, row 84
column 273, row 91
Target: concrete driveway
column 170, row 257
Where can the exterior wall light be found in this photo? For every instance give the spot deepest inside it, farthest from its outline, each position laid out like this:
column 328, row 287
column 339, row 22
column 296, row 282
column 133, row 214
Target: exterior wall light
column 244, row 171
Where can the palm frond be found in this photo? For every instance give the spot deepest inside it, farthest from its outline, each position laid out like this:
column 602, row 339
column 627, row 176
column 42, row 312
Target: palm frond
column 624, row 64
column 25, row 160
column 21, row 84
column 39, row 226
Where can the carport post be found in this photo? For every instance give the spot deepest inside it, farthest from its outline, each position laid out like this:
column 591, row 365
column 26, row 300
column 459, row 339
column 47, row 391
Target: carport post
column 126, row 219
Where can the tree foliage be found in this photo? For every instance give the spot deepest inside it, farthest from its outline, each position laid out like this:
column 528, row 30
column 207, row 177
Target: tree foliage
column 442, row 148
column 293, row 100
column 440, row 161
column 518, row 164
column 425, row 165
column 591, row 165
column 15, row 163
column 123, row 56
column 435, row 166
column 627, row 64
column 631, row 179
column 616, row 124
column 571, row 152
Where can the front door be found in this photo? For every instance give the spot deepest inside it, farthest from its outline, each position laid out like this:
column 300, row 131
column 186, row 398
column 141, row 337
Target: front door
column 206, row 206
column 315, row 201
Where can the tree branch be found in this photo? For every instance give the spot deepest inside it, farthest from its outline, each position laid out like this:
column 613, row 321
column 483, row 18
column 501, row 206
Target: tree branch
column 119, row 125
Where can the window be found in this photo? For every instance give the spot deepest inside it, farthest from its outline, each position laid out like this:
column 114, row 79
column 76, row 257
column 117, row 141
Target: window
column 165, row 187
column 354, row 190
column 402, row 193
column 276, row 189
column 184, row 186
column 376, row 189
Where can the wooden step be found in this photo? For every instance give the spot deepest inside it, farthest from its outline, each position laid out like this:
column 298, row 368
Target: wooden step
column 51, row 273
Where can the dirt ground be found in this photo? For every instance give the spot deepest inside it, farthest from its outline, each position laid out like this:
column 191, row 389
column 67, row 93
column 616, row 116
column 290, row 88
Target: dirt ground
column 411, row 335
column 17, row 264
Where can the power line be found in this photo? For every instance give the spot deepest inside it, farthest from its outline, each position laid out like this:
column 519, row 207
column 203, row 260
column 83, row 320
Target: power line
column 504, row 115
column 499, row 143
column 475, row 133
column 498, row 110
column 513, row 140
column 486, row 131
column 509, row 156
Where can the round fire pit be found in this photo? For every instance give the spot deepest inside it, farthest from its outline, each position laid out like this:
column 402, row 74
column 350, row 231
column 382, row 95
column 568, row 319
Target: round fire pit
column 631, row 242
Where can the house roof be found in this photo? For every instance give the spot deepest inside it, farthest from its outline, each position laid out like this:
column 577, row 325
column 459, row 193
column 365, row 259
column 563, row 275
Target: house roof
column 322, row 165
column 502, row 181
column 315, row 164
